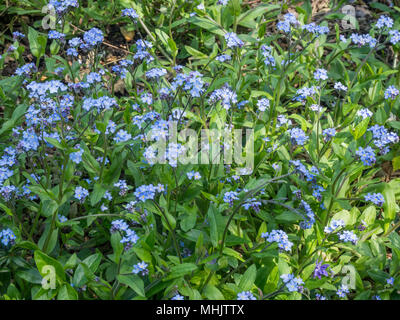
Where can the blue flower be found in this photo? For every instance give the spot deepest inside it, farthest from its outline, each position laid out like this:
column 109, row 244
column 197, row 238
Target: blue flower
column 280, row 237
column 77, row 156
column 366, row 155
column 310, row 216
column 375, row 198
column 123, row 187
column 252, row 203
column 193, row 175
column 140, row 267
column 384, row 22
column 391, row 92
column 245, row 295
column 394, row 36
column 267, row 53
column 75, row 42
column 390, row 281
column 29, row 140
column 362, row 40
column 156, row 73
column 320, row 269
column 364, row 113
column 339, row 86
column 320, row 74
column 26, row 69
column 232, row 40
column 129, row 239
column 62, row 6
column 226, row 95
column 342, row 290
column 230, row 196
column 122, row 136
column 319, row 297
column 81, row 193
column 305, row 92
column 335, row 224
column 263, row 104
column 62, row 218
column 348, row 236
column 119, row 225
column 328, row 133
column 298, row 136
column 93, row 37
column 17, row 35
column 130, row 13
column 145, row 192
column 56, row 35
column 178, row 297
column 292, row 283
column 7, row 237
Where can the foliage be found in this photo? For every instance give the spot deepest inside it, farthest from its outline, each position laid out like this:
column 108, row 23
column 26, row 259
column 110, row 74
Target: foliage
column 315, row 218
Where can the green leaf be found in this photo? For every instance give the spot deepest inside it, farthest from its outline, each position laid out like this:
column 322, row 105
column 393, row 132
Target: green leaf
column 207, row 25
column 196, row 53
column 41, row 260
column 97, row 194
column 212, row 212
column 248, row 278
column 6, row 209
column 66, row 292
column 212, row 293
column 247, row 18
column 37, row 43
column 55, row 143
column 360, row 129
column 396, row 163
column 181, row 270
column 134, row 282
column 389, row 206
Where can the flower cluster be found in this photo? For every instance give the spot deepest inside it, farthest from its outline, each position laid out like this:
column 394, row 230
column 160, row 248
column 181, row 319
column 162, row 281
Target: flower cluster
column 141, row 268
column 246, row 295
column 147, row 192
column 348, row 236
column 230, row 196
column 81, row 193
column 366, row 155
column 375, row 198
column 298, row 136
column 320, row 270
column 342, row 291
column 363, row 39
column 225, row 95
column 391, row 92
column 7, row 237
column 252, row 203
column 263, row 104
column 232, row 40
column 193, row 175
column 280, row 237
column 320, row 75
column 334, row 225
column 191, row 82
column 289, row 21
column 129, row 12
column 292, row 283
